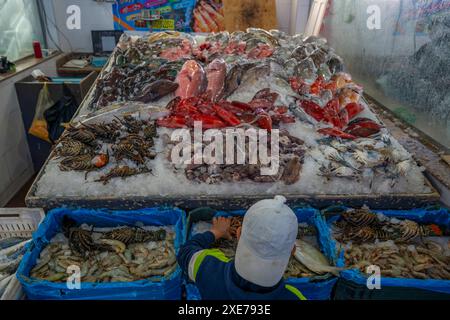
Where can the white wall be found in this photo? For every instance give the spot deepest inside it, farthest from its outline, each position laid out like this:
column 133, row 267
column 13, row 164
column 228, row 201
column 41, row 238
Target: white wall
column 16, row 166
column 98, row 16
column 94, row 16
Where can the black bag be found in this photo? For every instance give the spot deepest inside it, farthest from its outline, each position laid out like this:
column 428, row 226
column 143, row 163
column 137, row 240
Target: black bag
column 61, row 112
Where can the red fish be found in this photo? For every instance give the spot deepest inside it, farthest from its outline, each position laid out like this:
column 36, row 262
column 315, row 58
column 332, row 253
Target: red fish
column 261, row 51
column 313, row 109
column 172, row 122
column 363, row 127
column 331, row 113
column 264, row 120
column 353, row 109
column 333, row 132
column 226, row 116
column 191, row 80
column 208, row 121
column 216, row 73
column 316, row 87
column 177, row 53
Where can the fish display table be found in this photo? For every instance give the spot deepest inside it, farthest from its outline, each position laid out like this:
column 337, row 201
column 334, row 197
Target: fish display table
column 333, row 148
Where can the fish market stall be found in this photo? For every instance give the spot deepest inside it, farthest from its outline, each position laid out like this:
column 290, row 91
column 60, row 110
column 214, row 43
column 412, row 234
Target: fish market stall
column 312, row 269
column 117, row 152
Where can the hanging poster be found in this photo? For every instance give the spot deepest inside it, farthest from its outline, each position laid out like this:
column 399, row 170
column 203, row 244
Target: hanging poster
column 153, row 15
column 208, row 16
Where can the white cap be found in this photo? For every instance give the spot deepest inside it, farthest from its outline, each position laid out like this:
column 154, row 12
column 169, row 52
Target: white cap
column 268, row 236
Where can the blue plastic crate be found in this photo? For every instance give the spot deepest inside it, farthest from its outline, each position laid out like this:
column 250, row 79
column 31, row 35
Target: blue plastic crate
column 438, row 216
column 312, row 290
column 155, row 288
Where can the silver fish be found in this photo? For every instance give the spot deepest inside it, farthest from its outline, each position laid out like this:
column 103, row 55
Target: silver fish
column 313, row 259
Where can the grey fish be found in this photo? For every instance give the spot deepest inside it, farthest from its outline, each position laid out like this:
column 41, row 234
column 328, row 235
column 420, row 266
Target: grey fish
column 263, row 34
column 336, row 64
column 313, row 259
column 222, row 37
column 238, row 76
column 306, row 69
column 156, row 90
column 233, row 79
column 255, row 74
column 302, row 51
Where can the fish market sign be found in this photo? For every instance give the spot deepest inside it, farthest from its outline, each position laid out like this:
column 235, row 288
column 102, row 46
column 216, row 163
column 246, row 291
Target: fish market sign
column 153, row 15
column 237, row 141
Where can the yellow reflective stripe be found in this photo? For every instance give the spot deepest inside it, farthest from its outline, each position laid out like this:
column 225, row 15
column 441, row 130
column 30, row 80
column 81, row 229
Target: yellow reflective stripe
column 216, row 253
column 295, row 291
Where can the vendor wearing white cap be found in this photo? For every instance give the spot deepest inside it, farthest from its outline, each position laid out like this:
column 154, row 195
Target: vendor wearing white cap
column 266, row 243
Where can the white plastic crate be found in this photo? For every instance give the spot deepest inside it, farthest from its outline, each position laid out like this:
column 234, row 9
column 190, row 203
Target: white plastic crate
column 18, row 222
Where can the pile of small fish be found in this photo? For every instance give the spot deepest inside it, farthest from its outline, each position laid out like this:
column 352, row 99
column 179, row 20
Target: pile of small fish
column 401, row 248
column 138, row 72
column 362, row 225
column 11, row 253
column 427, row 260
column 123, row 254
column 364, row 158
column 90, row 147
column 291, row 157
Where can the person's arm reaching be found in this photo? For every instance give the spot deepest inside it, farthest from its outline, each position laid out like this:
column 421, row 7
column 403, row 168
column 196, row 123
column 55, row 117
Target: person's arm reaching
column 202, row 241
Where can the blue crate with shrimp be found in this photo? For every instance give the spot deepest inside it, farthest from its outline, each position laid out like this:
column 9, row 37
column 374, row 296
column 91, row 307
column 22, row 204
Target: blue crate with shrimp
column 82, row 254
column 315, row 286
column 410, row 248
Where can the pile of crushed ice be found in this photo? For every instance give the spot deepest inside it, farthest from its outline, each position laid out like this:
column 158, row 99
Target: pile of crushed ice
column 165, row 181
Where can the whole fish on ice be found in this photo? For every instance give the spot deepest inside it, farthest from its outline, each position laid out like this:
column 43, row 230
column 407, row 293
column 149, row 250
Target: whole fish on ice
column 216, row 73
column 156, row 90
column 191, row 80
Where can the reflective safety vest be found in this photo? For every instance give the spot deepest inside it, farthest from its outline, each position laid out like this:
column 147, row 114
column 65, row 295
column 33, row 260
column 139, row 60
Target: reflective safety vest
column 216, row 278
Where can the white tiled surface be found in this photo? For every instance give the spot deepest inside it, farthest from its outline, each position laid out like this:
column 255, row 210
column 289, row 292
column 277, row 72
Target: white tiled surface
column 16, row 166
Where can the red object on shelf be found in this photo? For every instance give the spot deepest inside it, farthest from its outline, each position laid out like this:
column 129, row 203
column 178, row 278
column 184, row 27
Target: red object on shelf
column 37, row 49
